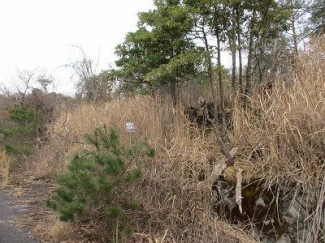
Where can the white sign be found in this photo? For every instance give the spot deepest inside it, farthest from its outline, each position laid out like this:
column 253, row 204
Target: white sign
column 129, row 126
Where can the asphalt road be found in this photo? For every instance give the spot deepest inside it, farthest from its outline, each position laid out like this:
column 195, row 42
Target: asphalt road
column 9, row 209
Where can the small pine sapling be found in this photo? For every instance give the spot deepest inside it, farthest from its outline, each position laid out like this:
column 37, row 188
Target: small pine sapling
column 96, row 178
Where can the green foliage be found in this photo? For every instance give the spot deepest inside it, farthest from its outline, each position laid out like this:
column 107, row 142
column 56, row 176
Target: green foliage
column 177, row 66
column 96, row 177
column 159, row 52
column 318, row 16
column 168, row 46
column 20, row 135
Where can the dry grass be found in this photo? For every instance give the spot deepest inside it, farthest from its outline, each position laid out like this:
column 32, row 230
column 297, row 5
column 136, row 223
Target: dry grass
column 61, row 232
column 4, row 168
column 281, row 138
column 176, row 204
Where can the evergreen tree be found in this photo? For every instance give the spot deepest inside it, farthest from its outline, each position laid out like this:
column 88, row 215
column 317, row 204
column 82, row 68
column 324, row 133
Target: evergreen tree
column 318, row 16
column 20, row 135
column 159, row 52
column 96, row 177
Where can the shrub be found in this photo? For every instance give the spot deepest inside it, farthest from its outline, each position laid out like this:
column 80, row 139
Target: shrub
column 20, row 135
column 96, row 177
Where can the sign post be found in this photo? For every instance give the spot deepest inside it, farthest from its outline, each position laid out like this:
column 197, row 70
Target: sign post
column 130, row 128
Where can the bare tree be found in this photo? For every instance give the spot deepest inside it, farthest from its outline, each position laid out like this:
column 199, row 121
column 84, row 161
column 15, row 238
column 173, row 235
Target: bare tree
column 23, row 85
column 45, row 81
column 4, row 90
column 90, row 84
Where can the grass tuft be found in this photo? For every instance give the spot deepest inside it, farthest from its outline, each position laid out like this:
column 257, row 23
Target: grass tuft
column 4, row 168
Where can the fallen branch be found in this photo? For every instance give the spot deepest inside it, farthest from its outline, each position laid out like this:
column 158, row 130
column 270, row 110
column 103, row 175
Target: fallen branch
column 239, row 196
column 221, row 166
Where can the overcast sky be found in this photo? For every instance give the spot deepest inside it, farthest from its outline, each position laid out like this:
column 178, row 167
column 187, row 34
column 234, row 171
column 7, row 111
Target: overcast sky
column 38, row 34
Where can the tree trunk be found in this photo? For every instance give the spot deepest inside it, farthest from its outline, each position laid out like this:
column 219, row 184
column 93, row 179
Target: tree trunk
column 248, row 89
column 294, row 35
column 263, row 40
column 173, row 93
column 210, row 75
column 221, row 88
column 210, row 71
column 240, row 71
column 214, row 122
column 213, row 89
column 274, row 61
column 233, row 49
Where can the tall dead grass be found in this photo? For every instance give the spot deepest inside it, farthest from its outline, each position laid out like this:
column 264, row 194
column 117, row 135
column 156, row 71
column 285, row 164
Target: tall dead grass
column 4, row 168
column 173, row 193
column 282, row 135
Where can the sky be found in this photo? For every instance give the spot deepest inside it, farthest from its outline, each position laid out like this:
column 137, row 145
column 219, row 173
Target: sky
column 39, row 35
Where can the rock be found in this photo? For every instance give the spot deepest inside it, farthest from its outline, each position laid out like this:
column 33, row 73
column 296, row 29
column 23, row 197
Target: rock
column 276, row 214
column 284, row 239
column 260, row 202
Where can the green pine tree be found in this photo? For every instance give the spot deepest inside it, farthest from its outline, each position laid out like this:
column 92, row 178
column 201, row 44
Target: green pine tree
column 20, row 135
column 96, row 177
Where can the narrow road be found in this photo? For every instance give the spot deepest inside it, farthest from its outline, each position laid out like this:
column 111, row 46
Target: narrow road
column 9, row 209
